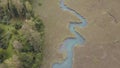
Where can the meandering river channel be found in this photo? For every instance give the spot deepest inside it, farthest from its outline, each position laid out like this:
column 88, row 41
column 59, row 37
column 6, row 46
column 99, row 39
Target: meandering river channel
column 70, row 42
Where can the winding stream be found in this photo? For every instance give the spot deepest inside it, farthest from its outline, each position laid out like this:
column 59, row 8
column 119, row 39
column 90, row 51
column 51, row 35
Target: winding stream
column 69, row 43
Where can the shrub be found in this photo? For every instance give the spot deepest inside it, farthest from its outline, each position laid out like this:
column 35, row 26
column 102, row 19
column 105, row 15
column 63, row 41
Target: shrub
column 18, row 25
column 39, row 25
column 27, row 60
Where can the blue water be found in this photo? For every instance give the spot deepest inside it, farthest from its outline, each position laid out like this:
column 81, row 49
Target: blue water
column 69, row 43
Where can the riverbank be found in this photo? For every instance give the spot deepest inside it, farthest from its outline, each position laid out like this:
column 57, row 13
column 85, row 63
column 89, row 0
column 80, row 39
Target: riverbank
column 56, row 22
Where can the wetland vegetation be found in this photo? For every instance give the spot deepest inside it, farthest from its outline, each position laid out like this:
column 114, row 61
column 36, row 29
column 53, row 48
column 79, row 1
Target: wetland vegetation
column 21, row 35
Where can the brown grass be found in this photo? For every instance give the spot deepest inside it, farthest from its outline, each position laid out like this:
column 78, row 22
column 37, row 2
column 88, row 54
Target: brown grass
column 100, row 34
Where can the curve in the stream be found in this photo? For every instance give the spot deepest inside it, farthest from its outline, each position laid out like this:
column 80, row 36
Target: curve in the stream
column 70, row 42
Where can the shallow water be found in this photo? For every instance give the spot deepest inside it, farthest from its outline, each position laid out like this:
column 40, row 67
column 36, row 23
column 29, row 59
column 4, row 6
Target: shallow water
column 69, row 43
